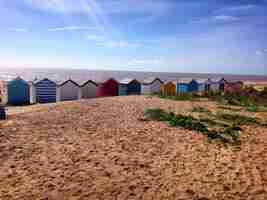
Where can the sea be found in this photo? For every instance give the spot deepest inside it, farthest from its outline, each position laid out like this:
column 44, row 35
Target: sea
column 82, row 75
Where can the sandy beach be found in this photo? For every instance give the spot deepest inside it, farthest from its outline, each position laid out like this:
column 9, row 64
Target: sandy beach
column 102, row 149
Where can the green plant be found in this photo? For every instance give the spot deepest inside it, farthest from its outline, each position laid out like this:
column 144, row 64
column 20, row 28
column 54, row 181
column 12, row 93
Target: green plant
column 227, row 135
column 237, row 119
column 157, row 114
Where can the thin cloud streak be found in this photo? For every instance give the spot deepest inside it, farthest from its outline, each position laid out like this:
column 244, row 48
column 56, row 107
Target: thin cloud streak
column 20, row 30
column 73, row 28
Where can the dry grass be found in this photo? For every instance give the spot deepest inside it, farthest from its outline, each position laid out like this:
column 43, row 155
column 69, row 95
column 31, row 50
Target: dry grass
column 100, row 149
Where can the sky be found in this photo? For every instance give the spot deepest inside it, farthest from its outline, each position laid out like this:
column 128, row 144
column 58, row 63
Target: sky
column 194, row 36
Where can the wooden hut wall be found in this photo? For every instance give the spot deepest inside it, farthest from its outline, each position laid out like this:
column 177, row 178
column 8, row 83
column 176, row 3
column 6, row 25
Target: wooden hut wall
column 151, row 88
column 193, row 86
column 108, row 88
column 122, row 89
column 134, row 88
column 69, row 91
column 169, row 89
column 233, row 87
column 18, row 92
column 89, row 90
column 201, row 87
column 182, row 88
column 46, row 91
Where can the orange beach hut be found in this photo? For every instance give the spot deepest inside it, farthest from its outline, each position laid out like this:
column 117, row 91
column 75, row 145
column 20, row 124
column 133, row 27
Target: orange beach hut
column 169, row 89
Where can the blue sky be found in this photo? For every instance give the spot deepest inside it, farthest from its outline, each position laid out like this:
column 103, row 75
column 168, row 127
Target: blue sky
column 141, row 35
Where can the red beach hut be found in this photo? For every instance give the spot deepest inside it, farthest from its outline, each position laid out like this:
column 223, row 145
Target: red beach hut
column 107, row 88
column 233, row 86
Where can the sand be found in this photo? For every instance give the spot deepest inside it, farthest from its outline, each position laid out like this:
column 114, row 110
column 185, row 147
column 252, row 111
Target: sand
column 102, row 149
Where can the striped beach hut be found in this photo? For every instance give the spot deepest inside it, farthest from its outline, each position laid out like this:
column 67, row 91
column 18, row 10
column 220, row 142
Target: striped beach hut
column 169, row 88
column 69, row 91
column 129, row 86
column 88, row 89
column 18, row 92
column 109, row 87
column 151, row 86
column 45, row 91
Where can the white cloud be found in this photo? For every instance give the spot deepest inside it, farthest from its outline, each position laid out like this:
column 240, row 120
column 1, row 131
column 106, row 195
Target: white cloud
column 21, row 30
column 240, row 7
column 216, row 19
column 72, row 28
column 97, row 38
column 109, row 7
column 261, row 52
column 152, row 61
column 119, row 44
column 225, row 18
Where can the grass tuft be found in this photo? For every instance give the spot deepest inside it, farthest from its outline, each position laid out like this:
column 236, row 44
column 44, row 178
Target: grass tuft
column 230, row 134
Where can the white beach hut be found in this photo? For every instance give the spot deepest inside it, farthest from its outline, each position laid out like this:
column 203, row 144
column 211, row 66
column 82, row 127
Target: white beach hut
column 151, row 86
column 88, row 89
column 69, row 90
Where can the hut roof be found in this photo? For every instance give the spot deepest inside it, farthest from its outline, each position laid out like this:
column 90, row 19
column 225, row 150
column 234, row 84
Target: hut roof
column 184, row 80
column 101, row 81
column 151, row 80
column 17, row 79
column 201, row 81
column 234, row 81
column 69, row 80
column 36, row 81
column 88, row 81
column 127, row 81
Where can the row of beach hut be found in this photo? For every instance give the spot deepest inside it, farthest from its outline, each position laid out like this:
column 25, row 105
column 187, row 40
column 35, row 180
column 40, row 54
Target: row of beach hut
column 20, row 92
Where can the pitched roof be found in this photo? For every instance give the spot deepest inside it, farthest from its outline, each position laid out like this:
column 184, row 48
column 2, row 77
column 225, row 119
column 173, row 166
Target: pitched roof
column 18, row 79
column 151, row 80
column 69, row 80
column 184, row 80
column 201, row 81
column 128, row 81
column 89, row 81
column 36, row 81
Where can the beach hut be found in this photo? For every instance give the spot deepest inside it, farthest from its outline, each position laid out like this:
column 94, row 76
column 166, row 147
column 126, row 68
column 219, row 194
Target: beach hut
column 108, row 87
column 169, row 88
column 193, row 86
column 215, row 85
column 45, row 91
column 233, row 86
column 2, row 112
column 201, row 85
column 89, row 89
column 129, row 86
column 182, row 85
column 69, row 91
column 18, row 92
column 151, row 86
column 2, row 91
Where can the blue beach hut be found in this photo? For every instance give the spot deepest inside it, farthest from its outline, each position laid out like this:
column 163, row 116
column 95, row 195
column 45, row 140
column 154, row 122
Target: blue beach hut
column 18, row 92
column 183, row 85
column 129, row 86
column 45, row 91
